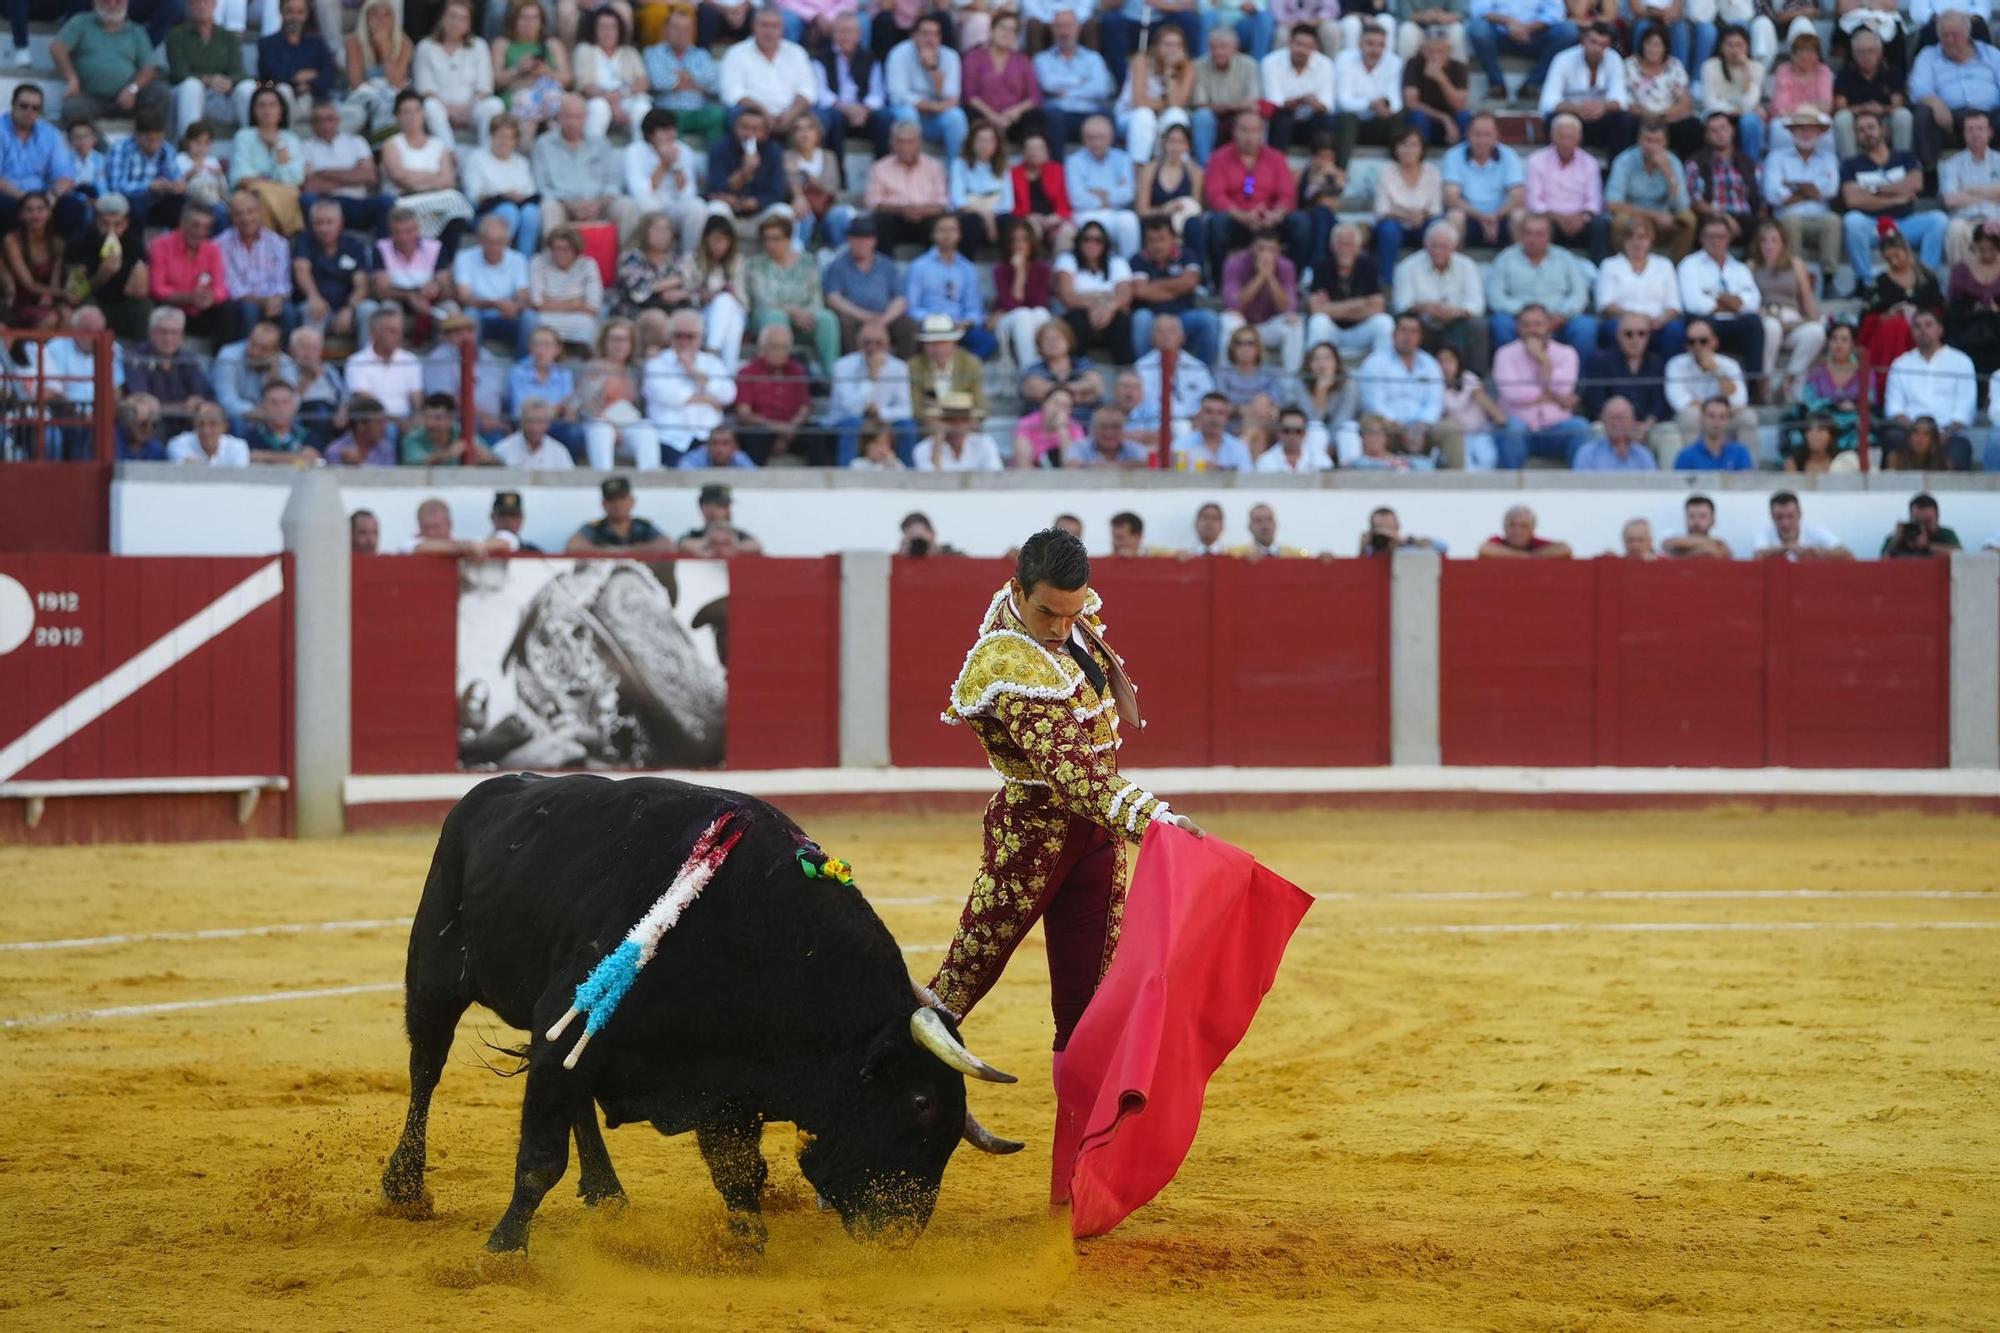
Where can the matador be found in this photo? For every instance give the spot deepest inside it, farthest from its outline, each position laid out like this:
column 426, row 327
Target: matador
column 1046, row 696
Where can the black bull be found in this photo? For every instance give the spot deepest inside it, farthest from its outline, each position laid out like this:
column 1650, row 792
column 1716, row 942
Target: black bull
column 777, row 997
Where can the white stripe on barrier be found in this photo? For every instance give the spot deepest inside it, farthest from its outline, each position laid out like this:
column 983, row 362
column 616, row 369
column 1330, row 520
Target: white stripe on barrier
column 129, row 677
column 219, row 933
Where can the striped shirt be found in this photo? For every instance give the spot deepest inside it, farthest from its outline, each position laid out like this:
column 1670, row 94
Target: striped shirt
column 130, row 171
column 263, row 268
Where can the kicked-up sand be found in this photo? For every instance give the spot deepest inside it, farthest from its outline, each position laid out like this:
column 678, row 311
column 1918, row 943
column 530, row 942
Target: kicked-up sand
column 1686, row 1070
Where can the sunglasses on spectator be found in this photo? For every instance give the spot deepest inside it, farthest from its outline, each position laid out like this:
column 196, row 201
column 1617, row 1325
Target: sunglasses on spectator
column 1700, row 342
column 1292, row 430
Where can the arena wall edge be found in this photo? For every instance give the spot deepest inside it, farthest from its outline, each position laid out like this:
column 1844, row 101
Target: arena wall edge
column 1414, row 576
column 315, row 530
column 864, row 648
column 1975, row 660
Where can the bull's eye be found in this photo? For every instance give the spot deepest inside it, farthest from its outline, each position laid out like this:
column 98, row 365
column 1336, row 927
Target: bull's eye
column 926, row 1110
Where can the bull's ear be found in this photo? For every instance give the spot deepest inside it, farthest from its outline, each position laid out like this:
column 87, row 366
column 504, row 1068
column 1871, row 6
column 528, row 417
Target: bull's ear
column 887, row 1046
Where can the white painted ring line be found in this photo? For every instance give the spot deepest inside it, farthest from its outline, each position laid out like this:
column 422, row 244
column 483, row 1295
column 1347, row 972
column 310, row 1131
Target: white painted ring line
column 217, row 933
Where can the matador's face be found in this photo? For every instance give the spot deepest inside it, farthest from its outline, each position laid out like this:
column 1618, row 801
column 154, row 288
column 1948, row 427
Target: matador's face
column 1049, row 613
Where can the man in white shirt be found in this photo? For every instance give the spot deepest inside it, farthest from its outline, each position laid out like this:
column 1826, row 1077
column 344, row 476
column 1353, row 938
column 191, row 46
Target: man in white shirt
column 1936, row 381
column 1588, row 82
column 342, row 167
column 1368, row 95
column 769, row 73
column 532, row 448
column 492, row 283
column 870, row 383
column 1443, row 289
column 1969, row 184
column 953, row 446
column 1718, row 287
column 1208, row 521
column 1799, row 182
column 1293, row 453
column 1299, row 82
column 1405, row 384
column 1701, row 373
column 208, row 443
column 1263, row 522
column 687, row 389
column 664, row 175
column 385, row 370
column 1638, row 282
column 1790, row 537
column 1208, row 446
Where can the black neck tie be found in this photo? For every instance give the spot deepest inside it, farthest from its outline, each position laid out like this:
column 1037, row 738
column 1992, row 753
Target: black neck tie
column 1082, row 657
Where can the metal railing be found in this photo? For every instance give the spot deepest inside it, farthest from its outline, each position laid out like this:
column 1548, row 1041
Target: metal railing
column 46, row 415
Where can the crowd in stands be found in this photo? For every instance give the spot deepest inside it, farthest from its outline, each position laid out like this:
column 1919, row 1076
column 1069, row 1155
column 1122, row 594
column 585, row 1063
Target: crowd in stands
column 630, row 228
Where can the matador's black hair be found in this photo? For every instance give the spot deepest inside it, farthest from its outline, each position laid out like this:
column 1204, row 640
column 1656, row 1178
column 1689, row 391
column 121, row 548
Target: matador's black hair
column 1053, row 557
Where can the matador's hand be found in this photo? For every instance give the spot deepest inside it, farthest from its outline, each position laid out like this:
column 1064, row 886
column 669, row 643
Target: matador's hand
column 1188, row 825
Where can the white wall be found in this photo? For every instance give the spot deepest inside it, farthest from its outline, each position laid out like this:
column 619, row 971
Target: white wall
column 156, row 511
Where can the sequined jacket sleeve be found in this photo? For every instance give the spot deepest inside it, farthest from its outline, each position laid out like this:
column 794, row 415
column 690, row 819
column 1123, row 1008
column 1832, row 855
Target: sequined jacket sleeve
column 1083, row 781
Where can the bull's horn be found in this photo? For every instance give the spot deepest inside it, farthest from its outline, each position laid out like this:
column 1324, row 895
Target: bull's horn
column 929, row 999
column 984, row 1139
column 929, row 1032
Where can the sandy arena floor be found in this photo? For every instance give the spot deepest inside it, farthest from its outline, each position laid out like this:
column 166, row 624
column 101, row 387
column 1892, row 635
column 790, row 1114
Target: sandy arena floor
column 1782, row 1116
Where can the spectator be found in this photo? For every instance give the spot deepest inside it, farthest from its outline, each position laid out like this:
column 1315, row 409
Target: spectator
column 1299, row 82
column 907, row 191
column 112, row 268
column 774, row 402
column 532, row 447
column 1158, row 93
column 1902, row 288
column 1936, row 380
column 267, row 159
column 184, row 269
column 566, row 289
column 364, row 532
column 1191, row 383
column 717, row 535
column 1789, row 537
column 1922, row 534
column 256, row 263
column 299, row 63
column 1437, row 86
column 1022, row 289
column 209, row 443
column 1536, row 29
column 1723, row 183
column 1226, row 84
column 508, row 517
column 1464, row 435
column 1620, row 448
column 1208, row 522
column 686, row 388
column 1564, row 182
column 952, row 445
column 1713, row 449
column 1865, row 83
column 541, row 377
column 379, row 61
column 1368, row 96
column 277, row 436
column 439, row 442
column 943, row 282
column 1385, row 535
column 664, row 175
column 580, row 179
column 1108, row 445
column 863, row 286
column 620, row 529
column 1046, row 437
column 500, row 183
column 919, row 538
column 1208, row 446
column 686, row 81
column 492, row 283
column 721, row 453
column 1441, row 287
column 142, row 168
column 1636, row 537
column 434, row 535
column 1650, row 182
column 205, row 66
column 1518, row 541
column 330, row 271
column 767, row 74
column 1535, row 378
column 1102, row 184
column 1697, row 540
column 366, row 442
column 1057, row 365
column 108, row 70
column 999, row 82
column 385, row 371
column 1798, row 181
column 1532, row 272
column 943, row 367
column 610, row 76
column 1075, row 81
column 815, row 175
column 878, row 452
column 1094, row 286
column 1720, row 288
column 1293, row 452
column 422, row 169
column 1249, row 186
column 1409, row 196
column 924, row 82
column 1802, row 80
column 1701, row 373
column 1657, row 85
column 1969, row 183
column 1260, row 290
column 1347, row 307
column 34, row 159
column 1948, row 82
column 870, row 385
column 1789, row 309
column 1878, row 184
column 1636, row 282
column 164, row 372
column 1485, row 185
column 851, row 89
column 784, row 288
column 1263, row 519
column 1403, row 383
column 1128, row 534
column 726, row 21
column 1588, row 81
column 340, row 168
column 322, row 388
column 406, row 272
column 243, row 369
column 455, row 74
column 1252, row 389
column 1331, row 400
column 1629, row 369
column 1732, row 87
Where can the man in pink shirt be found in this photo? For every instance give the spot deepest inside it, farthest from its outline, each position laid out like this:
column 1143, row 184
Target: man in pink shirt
column 1250, row 187
column 906, row 190
column 1535, row 378
column 1566, row 183
column 185, row 267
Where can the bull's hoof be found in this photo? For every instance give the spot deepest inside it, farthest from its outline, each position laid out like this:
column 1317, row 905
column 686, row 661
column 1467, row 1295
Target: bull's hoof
column 418, row 1209
column 403, row 1192
column 747, row 1230
column 509, row 1237
column 611, row 1200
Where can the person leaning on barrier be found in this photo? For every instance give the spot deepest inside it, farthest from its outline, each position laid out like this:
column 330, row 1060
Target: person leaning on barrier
column 1697, row 539
column 1519, row 541
column 1385, row 535
column 620, row 529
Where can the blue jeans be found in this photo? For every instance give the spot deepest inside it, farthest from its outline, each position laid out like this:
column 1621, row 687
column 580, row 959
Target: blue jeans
column 1561, row 441
column 1923, row 230
column 496, row 327
column 1204, row 333
column 945, row 127
column 1391, row 239
column 524, row 224
column 981, row 343
column 569, row 434
column 1579, row 332
column 832, row 228
column 1118, row 37
column 1254, row 32
column 847, row 439
column 1202, row 122
column 1750, row 136
column 1488, row 40
column 1432, row 128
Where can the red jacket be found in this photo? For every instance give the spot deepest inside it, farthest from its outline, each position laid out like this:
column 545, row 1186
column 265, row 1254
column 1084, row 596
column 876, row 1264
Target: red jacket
column 1052, row 181
column 1272, row 186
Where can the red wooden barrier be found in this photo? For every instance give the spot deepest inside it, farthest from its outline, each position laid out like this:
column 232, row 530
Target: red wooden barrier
column 56, row 507
column 1159, row 614
column 1704, row 665
column 404, row 655
column 212, row 699
column 934, row 610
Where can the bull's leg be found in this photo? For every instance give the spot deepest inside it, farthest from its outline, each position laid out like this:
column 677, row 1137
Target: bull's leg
column 596, row 1181
column 731, row 1147
column 431, row 1017
column 547, row 1115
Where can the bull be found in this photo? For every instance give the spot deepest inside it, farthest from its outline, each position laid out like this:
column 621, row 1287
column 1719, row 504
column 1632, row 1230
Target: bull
column 777, row 997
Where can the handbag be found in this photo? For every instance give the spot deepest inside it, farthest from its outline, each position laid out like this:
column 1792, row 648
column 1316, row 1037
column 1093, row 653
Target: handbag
column 281, row 204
